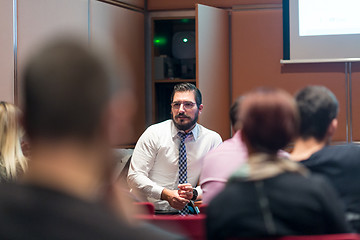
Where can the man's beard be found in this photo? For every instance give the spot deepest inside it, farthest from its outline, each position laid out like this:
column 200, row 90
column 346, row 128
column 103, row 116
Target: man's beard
column 185, row 126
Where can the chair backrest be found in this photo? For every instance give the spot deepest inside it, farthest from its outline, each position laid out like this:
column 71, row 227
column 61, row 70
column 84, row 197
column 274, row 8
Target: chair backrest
column 124, row 172
column 191, row 226
column 342, row 236
column 203, row 208
column 147, row 207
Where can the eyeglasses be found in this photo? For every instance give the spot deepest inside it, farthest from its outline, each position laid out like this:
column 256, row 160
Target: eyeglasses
column 187, row 105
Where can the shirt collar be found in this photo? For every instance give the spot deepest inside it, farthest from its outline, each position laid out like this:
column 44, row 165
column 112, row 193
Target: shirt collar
column 174, row 130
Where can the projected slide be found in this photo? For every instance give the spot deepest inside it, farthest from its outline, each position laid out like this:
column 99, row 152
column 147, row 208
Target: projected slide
column 329, row 17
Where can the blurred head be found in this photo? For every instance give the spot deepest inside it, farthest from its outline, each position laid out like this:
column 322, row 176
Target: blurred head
column 66, row 93
column 234, row 113
column 186, row 106
column 11, row 155
column 269, row 120
column 318, row 109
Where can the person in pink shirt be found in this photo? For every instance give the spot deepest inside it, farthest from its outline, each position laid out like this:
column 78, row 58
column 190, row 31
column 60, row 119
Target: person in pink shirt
column 221, row 162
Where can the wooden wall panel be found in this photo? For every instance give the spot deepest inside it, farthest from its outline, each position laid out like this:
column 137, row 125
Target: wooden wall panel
column 355, row 76
column 212, row 67
column 256, row 53
column 6, row 51
column 136, row 3
column 120, row 31
column 190, row 4
column 40, row 21
column 125, row 3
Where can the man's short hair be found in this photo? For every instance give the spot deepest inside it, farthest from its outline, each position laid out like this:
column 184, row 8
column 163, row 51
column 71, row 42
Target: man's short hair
column 66, row 89
column 318, row 106
column 269, row 119
column 184, row 87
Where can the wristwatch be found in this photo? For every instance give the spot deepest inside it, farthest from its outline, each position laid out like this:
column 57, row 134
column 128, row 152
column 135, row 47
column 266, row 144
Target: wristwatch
column 195, row 194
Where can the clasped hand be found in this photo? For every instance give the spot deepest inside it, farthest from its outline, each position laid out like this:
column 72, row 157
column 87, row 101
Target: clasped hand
column 178, row 198
column 185, row 191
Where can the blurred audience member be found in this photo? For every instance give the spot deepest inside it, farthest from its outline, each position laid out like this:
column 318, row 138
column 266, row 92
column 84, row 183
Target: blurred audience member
column 270, row 195
column 12, row 160
column 221, row 162
column 72, row 104
column 318, row 109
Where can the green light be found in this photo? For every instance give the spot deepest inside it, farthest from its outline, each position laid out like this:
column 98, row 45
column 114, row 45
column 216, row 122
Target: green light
column 185, row 40
column 185, row 20
column 160, row 41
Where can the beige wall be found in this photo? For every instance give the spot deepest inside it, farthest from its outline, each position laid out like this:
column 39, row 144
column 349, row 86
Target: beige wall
column 256, row 50
column 120, row 31
column 6, row 51
column 39, row 21
column 355, row 100
column 256, row 53
column 190, row 4
column 42, row 20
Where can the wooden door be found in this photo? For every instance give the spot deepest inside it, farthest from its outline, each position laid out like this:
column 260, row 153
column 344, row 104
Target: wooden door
column 212, row 67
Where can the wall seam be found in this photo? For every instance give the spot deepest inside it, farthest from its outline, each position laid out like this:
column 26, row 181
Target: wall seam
column 350, row 104
column 148, row 66
column 15, row 27
column 89, row 19
column 347, row 101
column 230, row 67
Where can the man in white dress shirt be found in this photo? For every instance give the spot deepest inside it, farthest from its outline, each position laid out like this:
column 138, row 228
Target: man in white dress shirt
column 154, row 168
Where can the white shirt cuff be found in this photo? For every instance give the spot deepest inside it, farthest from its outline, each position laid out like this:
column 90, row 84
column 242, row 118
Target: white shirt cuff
column 156, row 192
column 200, row 191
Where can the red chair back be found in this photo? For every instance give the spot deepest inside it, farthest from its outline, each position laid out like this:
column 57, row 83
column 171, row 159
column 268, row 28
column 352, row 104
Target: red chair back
column 342, row 236
column 203, row 208
column 147, row 207
column 191, row 226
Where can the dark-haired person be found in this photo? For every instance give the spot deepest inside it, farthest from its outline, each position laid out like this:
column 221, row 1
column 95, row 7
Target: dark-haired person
column 318, row 109
column 270, row 195
column 71, row 105
column 156, row 169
